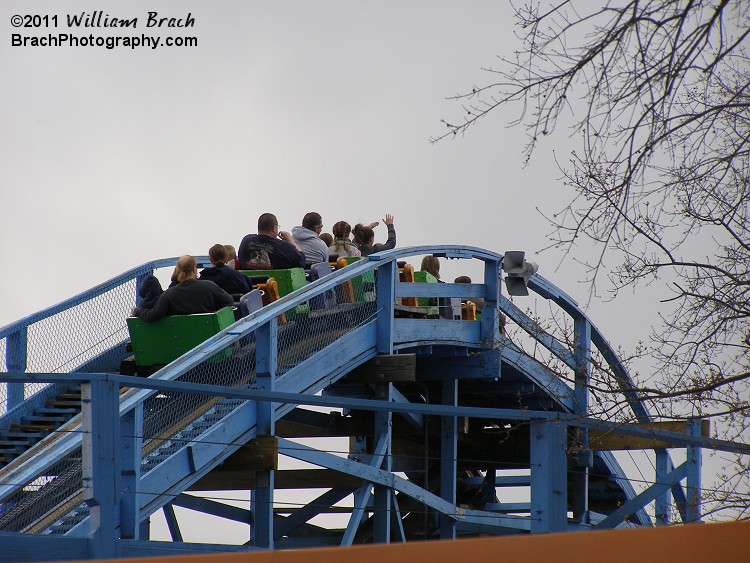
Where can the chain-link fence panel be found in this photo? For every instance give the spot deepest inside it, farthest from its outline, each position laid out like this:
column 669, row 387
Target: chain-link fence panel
column 88, row 336
column 306, row 331
column 48, row 498
column 83, row 337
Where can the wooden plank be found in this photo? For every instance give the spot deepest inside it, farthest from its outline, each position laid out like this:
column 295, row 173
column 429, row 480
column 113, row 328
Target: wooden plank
column 331, row 426
column 608, row 441
column 242, row 479
column 262, row 453
column 385, row 368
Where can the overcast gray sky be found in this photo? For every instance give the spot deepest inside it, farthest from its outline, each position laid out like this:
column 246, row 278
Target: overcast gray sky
column 110, row 158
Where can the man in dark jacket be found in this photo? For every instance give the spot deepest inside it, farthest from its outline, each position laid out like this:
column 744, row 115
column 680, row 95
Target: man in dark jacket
column 231, row 281
column 271, row 248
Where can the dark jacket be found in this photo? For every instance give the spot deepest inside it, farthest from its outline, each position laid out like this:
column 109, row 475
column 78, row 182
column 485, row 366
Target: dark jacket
column 264, row 252
column 149, row 292
column 387, row 245
column 227, row 279
column 187, row 298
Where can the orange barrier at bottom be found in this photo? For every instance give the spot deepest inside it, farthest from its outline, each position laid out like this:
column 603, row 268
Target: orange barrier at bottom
column 693, row 542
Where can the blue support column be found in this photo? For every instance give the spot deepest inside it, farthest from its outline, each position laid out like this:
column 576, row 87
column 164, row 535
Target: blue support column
column 448, row 454
column 383, row 496
column 385, row 284
column 397, row 523
column 131, row 445
column 694, row 462
column 582, row 454
column 490, row 312
column 262, row 495
column 145, row 529
column 663, row 502
column 357, row 448
column 488, row 486
column 549, row 472
column 101, row 470
column 15, row 360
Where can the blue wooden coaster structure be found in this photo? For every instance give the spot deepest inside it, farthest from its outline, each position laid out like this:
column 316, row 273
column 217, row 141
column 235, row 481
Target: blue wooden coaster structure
column 434, row 420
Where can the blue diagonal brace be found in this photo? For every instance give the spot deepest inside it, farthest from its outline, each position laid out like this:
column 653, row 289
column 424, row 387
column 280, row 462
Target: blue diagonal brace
column 378, row 476
column 172, row 524
column 641, row 500
column 362, row 498
column 207, row 506
column 313, row 508
column 416, row 420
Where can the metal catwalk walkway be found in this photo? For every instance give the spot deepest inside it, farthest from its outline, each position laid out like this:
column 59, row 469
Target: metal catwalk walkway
column 400, row 429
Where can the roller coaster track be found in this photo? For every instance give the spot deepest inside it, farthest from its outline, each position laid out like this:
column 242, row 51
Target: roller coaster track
column 442, row 416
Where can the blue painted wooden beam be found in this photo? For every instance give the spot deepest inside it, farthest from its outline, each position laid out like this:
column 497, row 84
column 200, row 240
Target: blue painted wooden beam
column 37, row 547
column 15, row 360
column 537, row 332
column 481, row 364
column 546, row 379
column 101, row 469
column 641, row 500
column 676, row 438
column 131, row 445
column 508, row 506
column 380, row 458
column 460, row 290
column 549, row 471
column 694, row 463
column 663, row 467
column 502, row 480
column 172, row 524
column 415, row 420
column 490, row 324
column 357, row 452
column 447, row 251
column 412, row 332
column 385, row 287
column 262, row 498
column 382, row 496
column 397, row 521
column 362, row 498
column 312, row 509
column 448, row 457
column 579, row 477
column 374, row 475
column 213, row 508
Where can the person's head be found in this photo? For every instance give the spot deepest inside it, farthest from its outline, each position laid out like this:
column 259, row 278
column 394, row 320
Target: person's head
column 217, row 254
column 231, row 252
column 363, row 236
column 326, row 238
column 431, row 264
column 149, row 291
column 313, row 221
column 186, row 268
column 342, row 230
column 268, row 225
column 462, row 279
